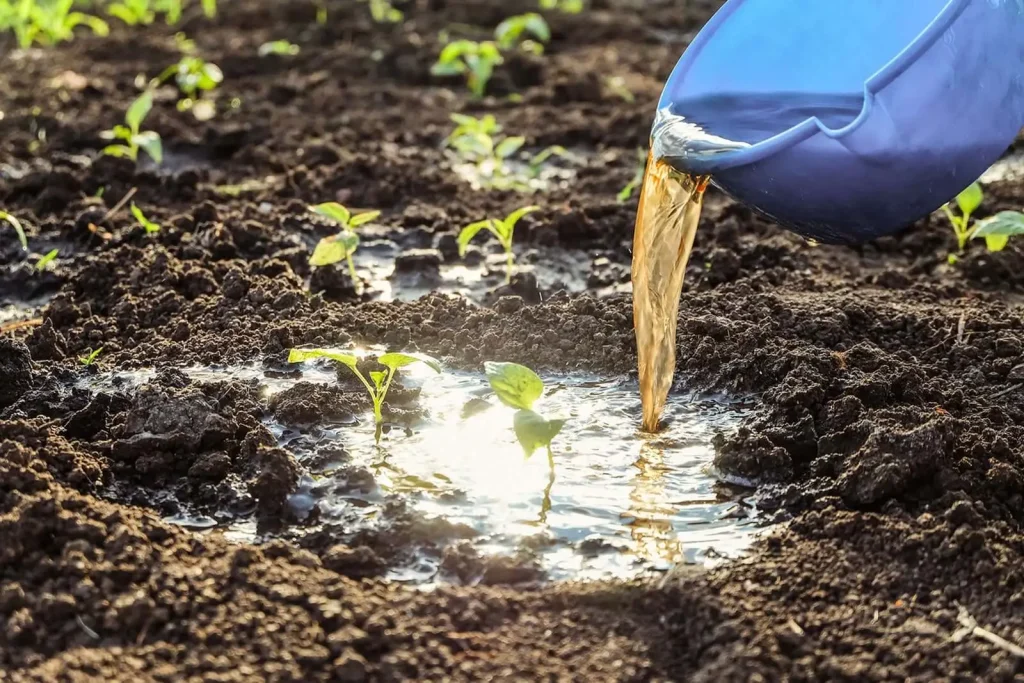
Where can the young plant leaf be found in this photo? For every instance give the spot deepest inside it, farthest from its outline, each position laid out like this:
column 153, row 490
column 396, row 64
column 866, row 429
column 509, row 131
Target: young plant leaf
column 517, row 386
column 360, row 219
column 303, row 355
column 90, row 358
column 149, row 226
column 378, row 378
column 513, row 218
column 335, row 211
column 150, row 142
column 509, row 146
column 46, row 260
column 970, row 199
column 139, row 110
column 333, row 249
column 467, row 234
column 1003, row 224
column 395, row 360
column 533, row 431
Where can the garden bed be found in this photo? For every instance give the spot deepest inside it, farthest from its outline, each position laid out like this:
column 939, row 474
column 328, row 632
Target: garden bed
column 158, row 508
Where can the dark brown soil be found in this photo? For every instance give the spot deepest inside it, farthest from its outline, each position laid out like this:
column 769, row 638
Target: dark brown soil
column 889, row 432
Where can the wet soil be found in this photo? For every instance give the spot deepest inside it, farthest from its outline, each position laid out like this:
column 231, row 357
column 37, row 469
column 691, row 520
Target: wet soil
column 889, row 432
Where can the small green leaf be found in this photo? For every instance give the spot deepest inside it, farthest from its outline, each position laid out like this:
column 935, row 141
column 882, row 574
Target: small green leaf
column 448, row 68
column 378, row 378
column 533, row 431
column 455, row 49
column 1003, row 224
column 90, row 358
column 303, row 355
column 150, row 142
column 469, row 232
column 46, row 260
column 335, row 211
column 509, row 146
column 334, row 249
column 278, row 47
column 996, row 242
column 397, row 360
column 116, row 151
column 970, row 199
column 139, row 110
column 149, row 226
column 536, row 25
column 361, row 218
column 516, row 385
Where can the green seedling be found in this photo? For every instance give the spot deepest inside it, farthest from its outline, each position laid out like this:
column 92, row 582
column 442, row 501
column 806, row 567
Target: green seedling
column 638, row 177
column 512, row 31
column 537, row 161
column 18, row 229
column 566, row 6
column 194, row 77
column 519, row 387
column 282, row 48
column 616, row 85
column 474, row 60
column 379, row 383
column 476, row 141
column 48, row 23
column 134, row 12
column 383, row 12
column 90, row 358
column 503, row 229
column 133, row 138
column 996, row 230
column 44, row 261
column 149, row 226
column 341, row 246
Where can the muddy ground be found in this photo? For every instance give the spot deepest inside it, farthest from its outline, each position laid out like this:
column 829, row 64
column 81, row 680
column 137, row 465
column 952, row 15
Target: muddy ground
column 889, row 434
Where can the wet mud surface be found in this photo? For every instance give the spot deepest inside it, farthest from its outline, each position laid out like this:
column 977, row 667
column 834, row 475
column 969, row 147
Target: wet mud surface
column 886, row 436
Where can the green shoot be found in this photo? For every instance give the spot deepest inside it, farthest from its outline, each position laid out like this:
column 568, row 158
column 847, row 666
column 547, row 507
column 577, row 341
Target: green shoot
column 379, row 383
column 282, row 48
column 616, row 85
column 538, row 160
column 149, row 226
column 967, row 201
column 133, row 138
column 46, row 23
column 503, row 229
column 384, row 13
column 44, row 261
column 341, row 246
column 512, row 30
column 90, row 357
column 519, row 387
column 475, row 61
column 18, row 229
column 476, row 142
column 134, row 12
column 321, row 12
column 638, row 177
column 194, row 76
column 567, row 6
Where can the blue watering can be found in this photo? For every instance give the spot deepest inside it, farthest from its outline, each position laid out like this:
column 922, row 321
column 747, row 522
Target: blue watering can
column 842, row 120
column 849, row 119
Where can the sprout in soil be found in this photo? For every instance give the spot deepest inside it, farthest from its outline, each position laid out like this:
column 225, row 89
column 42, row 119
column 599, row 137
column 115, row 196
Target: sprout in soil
column 384, row 13
column 512, row 30
column 282, row 48
column 149, row 226
column 379, row 382
column 537, row 161
column 997, row 229
column 638, row 177
column 519, row 387
column 503, row 229
column 133, row 138
column 567, row 6
column 45, row 261
column 18, row 229
column 47, row 23
column 194, row 76
column 341, row 246
column 476, row 141
column 90, row 357
column 134, row 12
column 475, row 61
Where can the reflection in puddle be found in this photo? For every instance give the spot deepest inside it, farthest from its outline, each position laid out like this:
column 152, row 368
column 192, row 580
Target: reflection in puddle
column 620, row 503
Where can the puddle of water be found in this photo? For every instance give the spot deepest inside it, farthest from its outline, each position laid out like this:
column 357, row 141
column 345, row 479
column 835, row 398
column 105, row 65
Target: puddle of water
column 620, row 503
